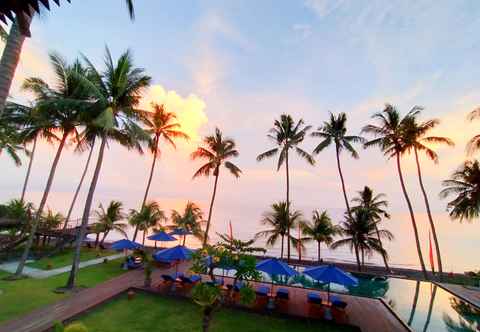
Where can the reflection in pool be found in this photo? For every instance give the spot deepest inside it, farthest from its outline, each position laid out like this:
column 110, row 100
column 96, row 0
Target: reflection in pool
column 424, row 306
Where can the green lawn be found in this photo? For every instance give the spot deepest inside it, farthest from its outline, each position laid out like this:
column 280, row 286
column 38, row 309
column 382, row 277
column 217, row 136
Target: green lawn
column 64, row 258
column 155, row 313
column 21, row 296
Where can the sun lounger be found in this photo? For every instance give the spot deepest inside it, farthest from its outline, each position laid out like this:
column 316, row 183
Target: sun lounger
column 261, row 299
column 281, row 300
column 315, row 307
column 339, row 314
column 262, row 290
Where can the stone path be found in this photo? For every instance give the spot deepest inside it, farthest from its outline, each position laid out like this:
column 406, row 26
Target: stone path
column 42, row 274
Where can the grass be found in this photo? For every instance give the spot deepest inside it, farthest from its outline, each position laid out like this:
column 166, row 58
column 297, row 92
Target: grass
column 64, row 258
column 155, row 313
column 21, row 296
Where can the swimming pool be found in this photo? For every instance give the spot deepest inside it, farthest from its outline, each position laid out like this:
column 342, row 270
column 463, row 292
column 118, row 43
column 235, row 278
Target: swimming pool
column 423, row 306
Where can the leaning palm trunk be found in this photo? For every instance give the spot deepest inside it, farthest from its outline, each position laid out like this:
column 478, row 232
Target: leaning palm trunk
column 148, row 183
column 288, row 205
column 41, row 206
column 77, row 191
column 10, row 59
column 86, row 213
column 105, row 234
column 429, row 213
column 281, row 250
column 384, row 255
column 412, row 217
column 430, row 308
column 318, row 249
column 414, row 304
column 342, row 181
column 29, row 169
column 357, row 256
column 205, row 238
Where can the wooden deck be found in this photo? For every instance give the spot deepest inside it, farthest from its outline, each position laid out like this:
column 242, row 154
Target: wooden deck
column 370, row 315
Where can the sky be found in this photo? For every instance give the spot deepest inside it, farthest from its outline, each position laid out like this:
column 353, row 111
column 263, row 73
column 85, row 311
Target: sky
column 238, row 65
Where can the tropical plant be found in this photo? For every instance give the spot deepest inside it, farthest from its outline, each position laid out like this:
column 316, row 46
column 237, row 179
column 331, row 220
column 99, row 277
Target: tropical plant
column 72, row 327
column 360, row 234
column 287, row 135
column 217, row 150
column 190, row 220
column 51, row 220
column 390, row 135
column 108, row 219
column 376, row 206
column 13, row 48
column 464, row 183
column 159, row 124
column 116, row 93
column 418, row 141
column 280, row 224
column 237, row 246
column 335, row 131
column 206, row 296
column 473, row 144
column 60, row 109
column 320, row 230
column 148, row 217
column 10, row 142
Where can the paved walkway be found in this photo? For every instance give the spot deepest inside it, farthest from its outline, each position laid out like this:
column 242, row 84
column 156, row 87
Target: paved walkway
column 42, row 274
column 467, row 293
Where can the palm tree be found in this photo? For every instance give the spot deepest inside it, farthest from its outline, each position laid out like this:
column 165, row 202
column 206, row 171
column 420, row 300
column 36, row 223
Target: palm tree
column 335, row 131
column 474, row 144
column 287, row 134
column 416, row 140
column 149, row 216
column 390, row 138
column 11, row 142
column 279, row 221
column 13, row 48
column 464, row 183
column 360, row 234
column 216, row 151
column 117, row 92
column 190, row 220
column 376, row 207
column 108, row 219
column 160, row 124
column 320, row 229
column 60, row 108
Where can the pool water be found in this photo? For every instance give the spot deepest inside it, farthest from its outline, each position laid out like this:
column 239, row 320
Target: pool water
column 421, row 305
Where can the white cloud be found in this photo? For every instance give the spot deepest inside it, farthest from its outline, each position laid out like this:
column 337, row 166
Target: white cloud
column 305, row 30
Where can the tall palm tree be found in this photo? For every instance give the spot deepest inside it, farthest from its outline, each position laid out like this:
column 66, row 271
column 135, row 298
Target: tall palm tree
column 148, row 217
column 287, row 135
column 320, row 230
column 376, row 206
column 389, row 136
column 417, row 140
column 360, row 234
column 473, row 144
column 217, row 150
column 335, row 131
column 190, row 220
column 464, row 183
column 159, row 124
column 116, row 92
column 13, row 48
column 280, row 223
column 108, row 219
column 60, row 108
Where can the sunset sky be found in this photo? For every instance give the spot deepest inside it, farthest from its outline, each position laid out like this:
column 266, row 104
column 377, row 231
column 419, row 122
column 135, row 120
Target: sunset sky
column 238, row 65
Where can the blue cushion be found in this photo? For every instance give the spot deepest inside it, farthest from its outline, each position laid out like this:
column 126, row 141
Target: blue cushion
column 195, row 278
column 314, row 298
column 262, row 290
column 282, row 293
column 339, row 304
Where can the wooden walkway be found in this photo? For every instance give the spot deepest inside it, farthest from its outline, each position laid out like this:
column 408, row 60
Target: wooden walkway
column 370, row 315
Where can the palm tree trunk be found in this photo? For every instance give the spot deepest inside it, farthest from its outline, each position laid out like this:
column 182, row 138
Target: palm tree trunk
column 412, row 217
column 288, row 205
column 430, row 308
column 211, row 208
column 207, row 317
column 10, row 59
column 281, row 250
column 77, row 191
column 184, row 239
column 144, row 234
column 429, row 213
column 104, row 237
column 384, row 256
column 148, row 183
column 363, row 258
column 41, row 206
column 27, row 176
column 318, row 248
column 342, row 181
column 414, row 304
column 86, row 214
column 97, row 237
column 357, row 256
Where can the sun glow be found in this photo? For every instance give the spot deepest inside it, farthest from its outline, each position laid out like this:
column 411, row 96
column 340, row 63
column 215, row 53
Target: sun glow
column 189, row 110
